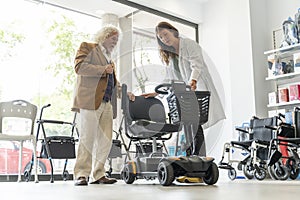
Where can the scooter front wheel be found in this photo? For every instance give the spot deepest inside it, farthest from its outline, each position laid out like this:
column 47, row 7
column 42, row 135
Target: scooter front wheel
column 165, row 173
column 212, row 174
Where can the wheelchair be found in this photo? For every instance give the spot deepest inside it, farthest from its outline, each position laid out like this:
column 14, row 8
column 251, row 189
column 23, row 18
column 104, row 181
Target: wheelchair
column 145, row 119
column 284, row 161
column 256, row 148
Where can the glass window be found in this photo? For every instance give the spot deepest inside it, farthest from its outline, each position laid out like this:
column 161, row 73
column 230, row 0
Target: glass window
column 148, row 70
column 38, row 43
column 37, row 47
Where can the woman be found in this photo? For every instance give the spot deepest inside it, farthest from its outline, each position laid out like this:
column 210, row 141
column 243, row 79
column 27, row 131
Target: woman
column 94, row 99
column 185, row 62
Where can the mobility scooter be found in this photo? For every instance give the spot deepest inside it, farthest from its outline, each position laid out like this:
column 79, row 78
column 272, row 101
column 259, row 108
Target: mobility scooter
column 145, row 119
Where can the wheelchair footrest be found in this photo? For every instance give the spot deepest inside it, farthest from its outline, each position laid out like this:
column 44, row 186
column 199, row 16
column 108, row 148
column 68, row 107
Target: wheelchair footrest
column 225, row 167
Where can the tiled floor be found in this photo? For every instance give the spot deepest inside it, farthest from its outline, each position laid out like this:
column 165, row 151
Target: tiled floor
column 143, row 190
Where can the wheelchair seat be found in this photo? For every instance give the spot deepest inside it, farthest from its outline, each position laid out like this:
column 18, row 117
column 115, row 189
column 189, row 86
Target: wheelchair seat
column 147, row 118
column 245, row 144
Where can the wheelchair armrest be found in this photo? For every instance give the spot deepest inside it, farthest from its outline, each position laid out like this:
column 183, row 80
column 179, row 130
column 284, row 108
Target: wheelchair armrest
column 242, row 130
column 271, row 127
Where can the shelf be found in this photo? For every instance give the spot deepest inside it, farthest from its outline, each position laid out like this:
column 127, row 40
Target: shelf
column 283, row 76
column 284, row 104
column 284, row 49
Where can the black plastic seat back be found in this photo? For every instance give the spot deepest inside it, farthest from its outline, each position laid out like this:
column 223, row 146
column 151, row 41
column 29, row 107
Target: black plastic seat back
column 150, row 109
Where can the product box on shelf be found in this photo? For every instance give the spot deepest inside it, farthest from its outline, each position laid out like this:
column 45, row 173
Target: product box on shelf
column 272, row 113
column 273, row 98
column 296, row 57
column 283, row 95
column 280, row 65
column 294, row 92
column 289, row 117
column 287, row 64
column 274, row 66
column 271, row 61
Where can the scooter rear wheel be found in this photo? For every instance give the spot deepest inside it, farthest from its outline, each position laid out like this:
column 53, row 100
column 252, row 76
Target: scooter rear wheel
column 127, row 174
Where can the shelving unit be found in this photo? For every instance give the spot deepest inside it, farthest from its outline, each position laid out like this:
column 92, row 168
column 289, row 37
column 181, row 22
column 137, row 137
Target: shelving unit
column 284, row 79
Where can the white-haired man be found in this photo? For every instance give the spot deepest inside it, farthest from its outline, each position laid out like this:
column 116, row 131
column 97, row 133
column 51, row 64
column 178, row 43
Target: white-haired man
column 94, row 99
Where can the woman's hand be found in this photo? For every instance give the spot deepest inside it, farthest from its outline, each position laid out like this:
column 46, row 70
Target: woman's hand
column 131, row 96
column 193, row 85
column 147, row 95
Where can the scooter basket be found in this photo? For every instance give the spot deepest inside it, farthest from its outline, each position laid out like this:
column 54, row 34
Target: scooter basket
column 203, row 98
column 60, row 147
column 203, row 102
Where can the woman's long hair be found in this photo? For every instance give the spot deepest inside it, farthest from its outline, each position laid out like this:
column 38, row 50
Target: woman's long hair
column 166, row 52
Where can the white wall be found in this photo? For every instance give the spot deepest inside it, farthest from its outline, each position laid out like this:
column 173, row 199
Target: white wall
column 235, row 34
column 226, row 38
column 190, row 10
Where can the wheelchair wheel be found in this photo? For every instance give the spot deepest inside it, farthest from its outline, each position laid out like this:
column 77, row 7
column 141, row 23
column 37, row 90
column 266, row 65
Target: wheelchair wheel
column 272, row 173
column 27, row 175
column 65, row 175
column 127, row 174
column 165, row 173
column 281, row 172
column 212, row 175
column 293, row 168
column 248, row 171
column 232, row 174
column 260, row 174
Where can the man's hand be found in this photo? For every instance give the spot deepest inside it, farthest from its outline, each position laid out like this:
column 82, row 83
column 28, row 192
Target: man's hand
column 147, row 95
column 193, row 85
column 109, row 68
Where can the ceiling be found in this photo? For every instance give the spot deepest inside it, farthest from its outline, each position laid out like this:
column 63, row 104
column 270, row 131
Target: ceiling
column 99, row 7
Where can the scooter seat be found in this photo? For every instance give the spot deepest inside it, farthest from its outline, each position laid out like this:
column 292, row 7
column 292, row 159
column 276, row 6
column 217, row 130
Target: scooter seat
column 147, row 129
column 196, row 159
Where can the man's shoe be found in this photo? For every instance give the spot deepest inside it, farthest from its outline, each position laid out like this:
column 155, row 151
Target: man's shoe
column 105, row 180
column 81, row 181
